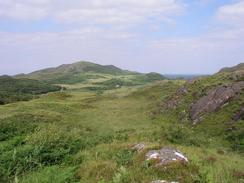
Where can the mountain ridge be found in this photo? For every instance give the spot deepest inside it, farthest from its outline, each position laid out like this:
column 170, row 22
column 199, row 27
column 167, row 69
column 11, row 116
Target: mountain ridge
column 80, row 72
column 79, row 66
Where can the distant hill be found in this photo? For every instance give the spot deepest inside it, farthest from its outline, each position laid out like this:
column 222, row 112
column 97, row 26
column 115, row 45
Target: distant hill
column 153, row 76
column 73, row 73
column 183, row 76
column 233, row 69
column 13, row 90
column 81, row 72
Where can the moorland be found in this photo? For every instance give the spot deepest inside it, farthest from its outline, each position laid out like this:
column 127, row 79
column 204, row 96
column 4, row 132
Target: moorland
column 79, row 123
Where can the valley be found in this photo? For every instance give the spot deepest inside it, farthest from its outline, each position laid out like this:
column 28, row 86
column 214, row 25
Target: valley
column 86, row 130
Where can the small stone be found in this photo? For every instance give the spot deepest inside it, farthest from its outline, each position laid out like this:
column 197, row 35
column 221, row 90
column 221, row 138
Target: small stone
column 159, row 181
column 162, row 181
column 139, row 147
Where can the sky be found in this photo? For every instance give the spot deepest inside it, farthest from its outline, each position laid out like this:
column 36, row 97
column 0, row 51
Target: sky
column 164, row 36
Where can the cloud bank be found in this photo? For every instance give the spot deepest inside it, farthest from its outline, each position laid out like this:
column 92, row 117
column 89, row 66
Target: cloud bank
column 132, row 34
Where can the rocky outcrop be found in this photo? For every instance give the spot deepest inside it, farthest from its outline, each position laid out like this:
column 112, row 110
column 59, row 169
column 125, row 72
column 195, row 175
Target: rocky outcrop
column 214, row 100
column 166, row 156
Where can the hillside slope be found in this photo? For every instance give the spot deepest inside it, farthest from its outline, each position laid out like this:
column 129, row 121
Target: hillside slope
column 13, row 90
column 239, row 67
column 214, row 105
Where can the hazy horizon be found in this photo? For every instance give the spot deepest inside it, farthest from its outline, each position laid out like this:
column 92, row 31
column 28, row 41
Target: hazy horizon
column 164, row 36
column 166, row 74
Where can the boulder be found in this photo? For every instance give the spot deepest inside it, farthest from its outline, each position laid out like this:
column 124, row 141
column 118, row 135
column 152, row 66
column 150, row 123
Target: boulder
column 166, row 156
column 214, row 100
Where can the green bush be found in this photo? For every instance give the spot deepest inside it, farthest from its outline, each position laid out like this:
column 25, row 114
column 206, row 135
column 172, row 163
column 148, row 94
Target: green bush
column 183, row 135
column 122, row 176
column 53, row 174
column 236, row 138
column 17, row 125
column 124, row 157
column 13, row 90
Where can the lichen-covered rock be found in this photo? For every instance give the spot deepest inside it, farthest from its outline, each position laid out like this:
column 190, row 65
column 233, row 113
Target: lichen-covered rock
column 139, row 147
column 166, row 156
column 214, row 100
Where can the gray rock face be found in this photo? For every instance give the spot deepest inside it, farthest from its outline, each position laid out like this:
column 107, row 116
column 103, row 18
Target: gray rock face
column 166, row 156
column 214, row 100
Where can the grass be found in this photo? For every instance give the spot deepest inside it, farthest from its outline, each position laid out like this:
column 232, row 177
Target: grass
column 14, row 90
column 83, row 136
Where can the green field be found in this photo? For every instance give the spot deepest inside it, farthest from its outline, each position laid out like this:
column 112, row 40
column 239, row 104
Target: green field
column 84, row 136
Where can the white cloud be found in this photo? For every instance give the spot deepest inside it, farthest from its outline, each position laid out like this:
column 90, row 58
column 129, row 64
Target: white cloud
column 221, row 45
column 31, row 51
column 91, row 11
column 23, row 10
column 232, row 14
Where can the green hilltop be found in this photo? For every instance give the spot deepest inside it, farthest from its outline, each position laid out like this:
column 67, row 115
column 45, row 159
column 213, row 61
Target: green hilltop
column 80, row 72
column 86, row 132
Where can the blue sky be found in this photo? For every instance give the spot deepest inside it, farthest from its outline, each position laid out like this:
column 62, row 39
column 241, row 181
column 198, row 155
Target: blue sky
column 165, row 36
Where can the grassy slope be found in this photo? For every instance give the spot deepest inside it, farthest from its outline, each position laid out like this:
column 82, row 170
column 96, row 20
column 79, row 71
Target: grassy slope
column 13, row 90
column 86, row 137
